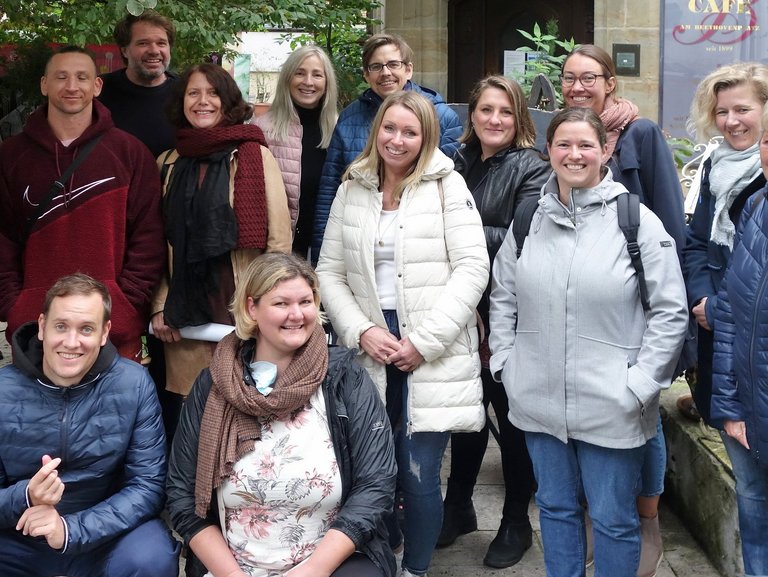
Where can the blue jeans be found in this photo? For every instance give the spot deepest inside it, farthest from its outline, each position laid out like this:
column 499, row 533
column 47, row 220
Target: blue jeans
column 419, row 457
column 610, row 479
column 655, row 464
column 147, row 551
column 752, row 502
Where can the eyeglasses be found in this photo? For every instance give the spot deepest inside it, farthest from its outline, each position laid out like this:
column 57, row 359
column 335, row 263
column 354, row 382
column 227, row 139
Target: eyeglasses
column 586, row 80
column 392, row 65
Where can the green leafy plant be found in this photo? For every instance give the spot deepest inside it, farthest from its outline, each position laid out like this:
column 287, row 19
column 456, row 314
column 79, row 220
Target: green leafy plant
column 682, row 149
column 341, row 29
column 550, row 52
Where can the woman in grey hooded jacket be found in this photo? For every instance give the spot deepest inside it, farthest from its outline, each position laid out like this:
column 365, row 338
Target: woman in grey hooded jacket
column 582, row 363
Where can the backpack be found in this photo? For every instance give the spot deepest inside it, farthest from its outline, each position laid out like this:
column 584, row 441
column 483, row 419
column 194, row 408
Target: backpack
column 628, row 212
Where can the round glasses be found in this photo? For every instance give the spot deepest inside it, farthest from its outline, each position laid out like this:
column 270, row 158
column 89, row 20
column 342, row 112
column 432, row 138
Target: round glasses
column 392, row 65
column 587, row 80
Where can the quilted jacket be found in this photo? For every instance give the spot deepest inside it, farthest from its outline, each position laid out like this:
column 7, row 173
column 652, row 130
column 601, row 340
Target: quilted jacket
column 740, row 367
column 442, row 270
column 107, row 430
column 349, row 139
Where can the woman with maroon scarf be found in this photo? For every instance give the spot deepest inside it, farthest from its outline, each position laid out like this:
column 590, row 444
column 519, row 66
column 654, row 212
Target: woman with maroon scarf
column 224, row 204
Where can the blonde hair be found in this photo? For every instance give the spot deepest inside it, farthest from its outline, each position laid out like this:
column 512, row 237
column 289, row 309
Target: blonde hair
column 283, row 110
column 525, row 131
column 264, row 273
column 765, row 117
column 424, row 110
column 701, row 121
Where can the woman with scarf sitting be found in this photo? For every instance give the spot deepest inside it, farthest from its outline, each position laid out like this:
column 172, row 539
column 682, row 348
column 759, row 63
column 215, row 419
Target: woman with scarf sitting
column 224, row 204
column 283, row 463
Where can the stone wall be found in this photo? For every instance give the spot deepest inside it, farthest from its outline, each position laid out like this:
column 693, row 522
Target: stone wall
column 424, row 24
column 633, row 22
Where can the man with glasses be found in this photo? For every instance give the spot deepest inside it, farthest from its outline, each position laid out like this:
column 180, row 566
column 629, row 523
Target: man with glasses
column 387, row 68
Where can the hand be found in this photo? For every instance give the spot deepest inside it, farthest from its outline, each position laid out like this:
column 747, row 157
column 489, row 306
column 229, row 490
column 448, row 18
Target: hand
column 737, row 430
column 407, row 359
column 380, row 344
column 699, row 311
column 45, row 487
column 43, row 521
column 163, row 331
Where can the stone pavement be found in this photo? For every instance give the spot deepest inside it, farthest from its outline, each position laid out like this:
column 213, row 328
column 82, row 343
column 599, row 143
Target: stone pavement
column 683, row 557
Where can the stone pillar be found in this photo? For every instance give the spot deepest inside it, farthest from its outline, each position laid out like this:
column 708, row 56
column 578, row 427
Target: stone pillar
column 424, row 25
column 634, row 22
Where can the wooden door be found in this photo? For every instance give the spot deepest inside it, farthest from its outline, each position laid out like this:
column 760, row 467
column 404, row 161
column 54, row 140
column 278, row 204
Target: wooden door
column 480, row 30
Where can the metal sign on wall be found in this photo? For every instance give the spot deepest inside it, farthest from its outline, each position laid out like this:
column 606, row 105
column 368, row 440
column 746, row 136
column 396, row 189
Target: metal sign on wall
column 699, row 36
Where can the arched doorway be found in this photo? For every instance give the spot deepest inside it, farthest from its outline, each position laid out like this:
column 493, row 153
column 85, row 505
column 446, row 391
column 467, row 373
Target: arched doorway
column 479, row 31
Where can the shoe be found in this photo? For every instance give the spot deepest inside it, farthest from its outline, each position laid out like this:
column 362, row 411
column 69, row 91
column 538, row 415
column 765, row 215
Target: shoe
column 651, row 551
column 399, row 560
column 507, row 548
column 687, row 408
column 407, row 573
column 457, row 520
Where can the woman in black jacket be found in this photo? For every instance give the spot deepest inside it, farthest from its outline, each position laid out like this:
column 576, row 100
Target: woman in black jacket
column 283, row 462
column 501, row 167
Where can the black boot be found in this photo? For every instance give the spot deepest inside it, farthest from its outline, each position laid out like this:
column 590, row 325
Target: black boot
column 459, row 515
column 457, row 520
column 507, row 548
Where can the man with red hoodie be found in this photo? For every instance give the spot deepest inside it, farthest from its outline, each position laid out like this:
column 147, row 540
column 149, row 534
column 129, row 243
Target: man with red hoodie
column 103, row 219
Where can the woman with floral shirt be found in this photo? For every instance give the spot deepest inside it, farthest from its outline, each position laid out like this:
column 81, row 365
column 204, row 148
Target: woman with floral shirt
column 283, row 462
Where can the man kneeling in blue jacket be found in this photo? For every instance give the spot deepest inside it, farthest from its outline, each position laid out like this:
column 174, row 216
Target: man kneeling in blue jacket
column 82, row 448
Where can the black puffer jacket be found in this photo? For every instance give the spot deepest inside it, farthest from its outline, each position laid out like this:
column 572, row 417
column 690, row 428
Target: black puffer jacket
column 107, row 430
column 362, row 440
column 514, row 174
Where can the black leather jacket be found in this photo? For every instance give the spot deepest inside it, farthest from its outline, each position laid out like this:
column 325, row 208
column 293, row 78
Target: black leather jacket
column 514, row 174
column 362, row 440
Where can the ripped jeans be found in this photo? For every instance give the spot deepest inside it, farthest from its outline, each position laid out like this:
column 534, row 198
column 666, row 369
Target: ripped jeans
column 419, row 457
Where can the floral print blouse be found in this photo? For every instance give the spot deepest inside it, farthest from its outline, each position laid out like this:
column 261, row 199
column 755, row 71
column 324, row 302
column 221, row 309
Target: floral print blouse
column 282, row 497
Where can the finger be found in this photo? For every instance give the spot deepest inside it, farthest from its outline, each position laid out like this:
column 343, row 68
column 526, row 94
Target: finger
column 46, row 459
column 48, row 467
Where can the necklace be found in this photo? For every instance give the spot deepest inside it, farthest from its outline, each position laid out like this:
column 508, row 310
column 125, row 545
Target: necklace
column 386, row 228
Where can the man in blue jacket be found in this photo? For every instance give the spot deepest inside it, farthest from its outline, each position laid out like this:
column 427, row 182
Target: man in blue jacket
column 82, row 449
column 387, row 68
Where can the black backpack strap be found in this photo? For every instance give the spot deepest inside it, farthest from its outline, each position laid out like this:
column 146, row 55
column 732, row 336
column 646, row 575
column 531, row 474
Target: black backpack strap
column 58, row 185
column 521, row 223
column 628, row 210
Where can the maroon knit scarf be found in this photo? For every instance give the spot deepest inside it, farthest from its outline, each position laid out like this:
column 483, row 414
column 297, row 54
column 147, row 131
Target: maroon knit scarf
column 250, row 197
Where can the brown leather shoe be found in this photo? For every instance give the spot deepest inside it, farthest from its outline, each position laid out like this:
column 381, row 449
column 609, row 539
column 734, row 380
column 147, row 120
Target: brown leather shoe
column 687, row 408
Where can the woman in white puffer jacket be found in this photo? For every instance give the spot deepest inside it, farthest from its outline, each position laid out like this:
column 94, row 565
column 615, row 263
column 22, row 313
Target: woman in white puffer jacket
column 402, row 267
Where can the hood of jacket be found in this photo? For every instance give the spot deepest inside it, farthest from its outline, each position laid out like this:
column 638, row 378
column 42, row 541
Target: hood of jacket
column 28, row 356
column 39, row 131
column 581, row 198
column 439, row 166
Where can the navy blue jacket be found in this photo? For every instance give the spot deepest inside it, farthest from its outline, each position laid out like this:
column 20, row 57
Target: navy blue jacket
column 107, row 430
column 642, row 161
column 349, row 138
column 740, row 379
column 704, row 266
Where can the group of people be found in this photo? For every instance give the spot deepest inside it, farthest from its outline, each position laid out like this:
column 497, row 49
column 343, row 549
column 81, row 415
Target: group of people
column 287, row 454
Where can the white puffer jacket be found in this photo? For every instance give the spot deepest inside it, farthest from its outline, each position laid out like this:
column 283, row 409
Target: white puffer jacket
column 442, row 269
